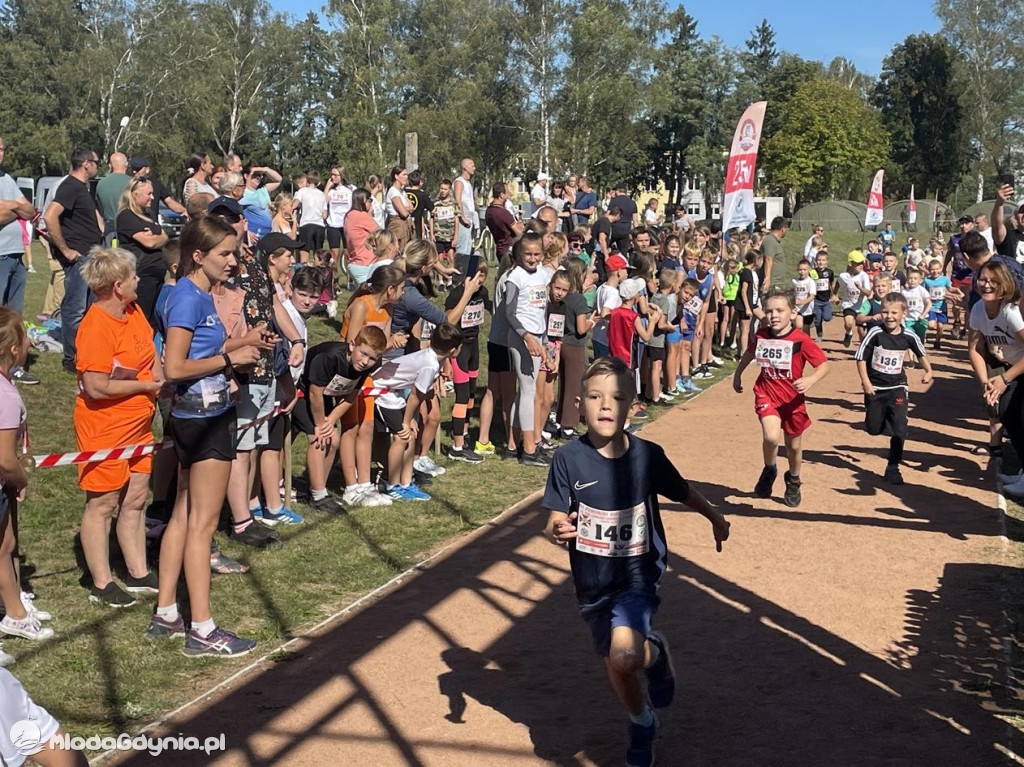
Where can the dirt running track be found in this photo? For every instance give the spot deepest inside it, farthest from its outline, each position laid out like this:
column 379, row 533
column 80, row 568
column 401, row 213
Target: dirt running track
column 864, row 628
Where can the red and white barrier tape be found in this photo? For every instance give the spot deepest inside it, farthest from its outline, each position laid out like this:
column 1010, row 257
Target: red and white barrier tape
column 137, row 451
column 127, row 452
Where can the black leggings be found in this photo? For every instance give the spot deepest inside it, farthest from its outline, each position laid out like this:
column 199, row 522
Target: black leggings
column 1011, row 415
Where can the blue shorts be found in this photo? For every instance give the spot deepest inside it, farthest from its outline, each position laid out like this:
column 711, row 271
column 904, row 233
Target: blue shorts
column 691, row 324
column 938, row 317
column 632, row 608
column 673, row 337
column 822, row 311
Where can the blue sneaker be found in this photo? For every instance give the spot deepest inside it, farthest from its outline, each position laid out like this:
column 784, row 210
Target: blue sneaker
column 396, row 492
column 283, row 517
column 221, row 643
column 641, row 744
column 690, row 387
column 413, row 493
column 160, row 628
column 257, row 513
column 661, row 677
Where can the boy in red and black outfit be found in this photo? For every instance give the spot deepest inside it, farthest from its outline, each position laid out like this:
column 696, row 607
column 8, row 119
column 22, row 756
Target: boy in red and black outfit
column 781, row 352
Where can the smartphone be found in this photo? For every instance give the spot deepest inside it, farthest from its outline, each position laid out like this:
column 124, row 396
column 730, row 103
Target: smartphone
column 1006, row 179
column 473, row 267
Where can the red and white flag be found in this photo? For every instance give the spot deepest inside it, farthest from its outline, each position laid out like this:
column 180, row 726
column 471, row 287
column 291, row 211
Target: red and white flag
column 874, row 216
column 738, row 207
column 912, row 213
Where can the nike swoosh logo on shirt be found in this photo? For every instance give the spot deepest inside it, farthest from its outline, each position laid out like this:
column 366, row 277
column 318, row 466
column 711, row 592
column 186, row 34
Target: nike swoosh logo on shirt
column 578, row 486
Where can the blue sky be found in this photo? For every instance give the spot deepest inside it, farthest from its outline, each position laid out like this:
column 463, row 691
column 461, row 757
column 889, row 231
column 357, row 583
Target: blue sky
column 864, row 32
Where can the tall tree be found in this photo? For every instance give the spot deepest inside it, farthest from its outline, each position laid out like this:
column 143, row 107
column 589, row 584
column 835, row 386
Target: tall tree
column 600, row 127
column 760, row 57
column 919, row 96
column 990, row 36
column 828, row 142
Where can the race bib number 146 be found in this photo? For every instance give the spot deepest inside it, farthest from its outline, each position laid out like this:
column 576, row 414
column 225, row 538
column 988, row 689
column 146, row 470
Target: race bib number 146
column 618, row 533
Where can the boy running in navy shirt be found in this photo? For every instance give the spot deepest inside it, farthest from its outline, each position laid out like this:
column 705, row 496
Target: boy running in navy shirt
column 602, row 495
column 881, row 362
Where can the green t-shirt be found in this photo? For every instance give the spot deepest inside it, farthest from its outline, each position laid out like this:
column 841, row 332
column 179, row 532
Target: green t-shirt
column 771, row 246
column 108, row 193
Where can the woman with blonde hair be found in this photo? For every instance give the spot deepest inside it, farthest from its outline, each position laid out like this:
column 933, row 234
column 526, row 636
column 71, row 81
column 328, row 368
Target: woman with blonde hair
column 119, row 377
column 283, row 211
column 145, row 238
column 417, row 260
column 385, row 249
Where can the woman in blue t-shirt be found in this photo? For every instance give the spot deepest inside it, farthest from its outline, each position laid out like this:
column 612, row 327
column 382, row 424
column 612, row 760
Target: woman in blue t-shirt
column 202, row 425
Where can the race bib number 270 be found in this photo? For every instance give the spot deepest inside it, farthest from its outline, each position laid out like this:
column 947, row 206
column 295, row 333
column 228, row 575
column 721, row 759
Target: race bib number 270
column 617, row 533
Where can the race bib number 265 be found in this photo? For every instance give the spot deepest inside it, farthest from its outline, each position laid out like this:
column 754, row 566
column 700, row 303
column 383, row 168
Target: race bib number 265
column 618, row 533
column 774, row 353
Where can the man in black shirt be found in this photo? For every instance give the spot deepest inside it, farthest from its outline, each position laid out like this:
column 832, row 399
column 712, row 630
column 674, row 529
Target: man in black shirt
column 628, row 219
column 74, row 226
column 602, row 231
column 1009, row 241
column 880, row 362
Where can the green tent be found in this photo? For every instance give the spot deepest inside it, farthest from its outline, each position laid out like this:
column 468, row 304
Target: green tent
column 834, row 215
column 896, row 214
column 986, row 208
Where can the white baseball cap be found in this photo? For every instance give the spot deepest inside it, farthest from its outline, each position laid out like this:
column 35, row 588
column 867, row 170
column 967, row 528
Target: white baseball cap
column 543, row 176
column 630, row 288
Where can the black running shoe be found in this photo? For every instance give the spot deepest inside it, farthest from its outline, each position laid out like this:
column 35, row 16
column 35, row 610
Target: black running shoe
column 147, row 584
column 847, row 340
column 892, row 474
column 464, row 454
column 112, row 595
column 534, row 459
column 254, row 536
column 763, row 488
column 792, row 496
column 328, row 504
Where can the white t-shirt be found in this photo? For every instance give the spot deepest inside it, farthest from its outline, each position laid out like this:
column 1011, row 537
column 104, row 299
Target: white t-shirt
column 419, row 369
column 538, row 193
column 914, row 258
column 803, row 289
column 35, row 724
column 389, row 202
column 313, row 202
column 378, row 212
column 855, row 287
column 916, row 299
column 987, row 234
column 339, row 203
column 1001, row 331
column 300, row 324
column 532, row 301
column 650, row 217
column 607, row 298
column 809, row 251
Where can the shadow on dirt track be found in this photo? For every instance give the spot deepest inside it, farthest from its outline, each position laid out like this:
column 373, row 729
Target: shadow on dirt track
column 758, row 685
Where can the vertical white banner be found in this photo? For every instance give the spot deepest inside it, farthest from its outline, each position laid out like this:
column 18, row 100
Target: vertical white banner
column 874, row 216
column 738, row 207
column 912, row 213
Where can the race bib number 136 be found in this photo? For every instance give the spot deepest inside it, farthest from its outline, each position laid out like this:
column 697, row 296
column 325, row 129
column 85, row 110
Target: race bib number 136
column 618, row 533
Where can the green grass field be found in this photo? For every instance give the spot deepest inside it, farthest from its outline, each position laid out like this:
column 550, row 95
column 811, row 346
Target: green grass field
column 100, row 676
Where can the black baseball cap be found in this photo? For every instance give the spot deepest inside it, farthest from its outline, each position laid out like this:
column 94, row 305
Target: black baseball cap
column 225, row 206
column 138, row 163
column 276, row 241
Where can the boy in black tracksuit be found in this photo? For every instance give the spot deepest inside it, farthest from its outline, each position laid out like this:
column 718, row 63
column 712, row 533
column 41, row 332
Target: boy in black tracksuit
column 880, row 362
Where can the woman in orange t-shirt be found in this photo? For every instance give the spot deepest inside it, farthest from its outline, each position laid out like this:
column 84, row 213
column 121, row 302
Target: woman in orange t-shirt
column 118, row 379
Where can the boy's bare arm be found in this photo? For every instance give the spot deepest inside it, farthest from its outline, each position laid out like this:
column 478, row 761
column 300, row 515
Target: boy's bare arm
column 561, row 527
column 696, row 501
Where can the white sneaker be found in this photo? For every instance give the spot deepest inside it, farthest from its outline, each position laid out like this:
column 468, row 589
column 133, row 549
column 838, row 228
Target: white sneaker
column 332, row 309
column 425, row 465
column 352, row 495
column 28, row 628
column 29, row 605
column 6, row 659
column 717, row 360
column 371, row 497
column 1009, row 479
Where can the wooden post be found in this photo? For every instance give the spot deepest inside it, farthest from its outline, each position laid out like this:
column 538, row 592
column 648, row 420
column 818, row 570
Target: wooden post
column 412, row 151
